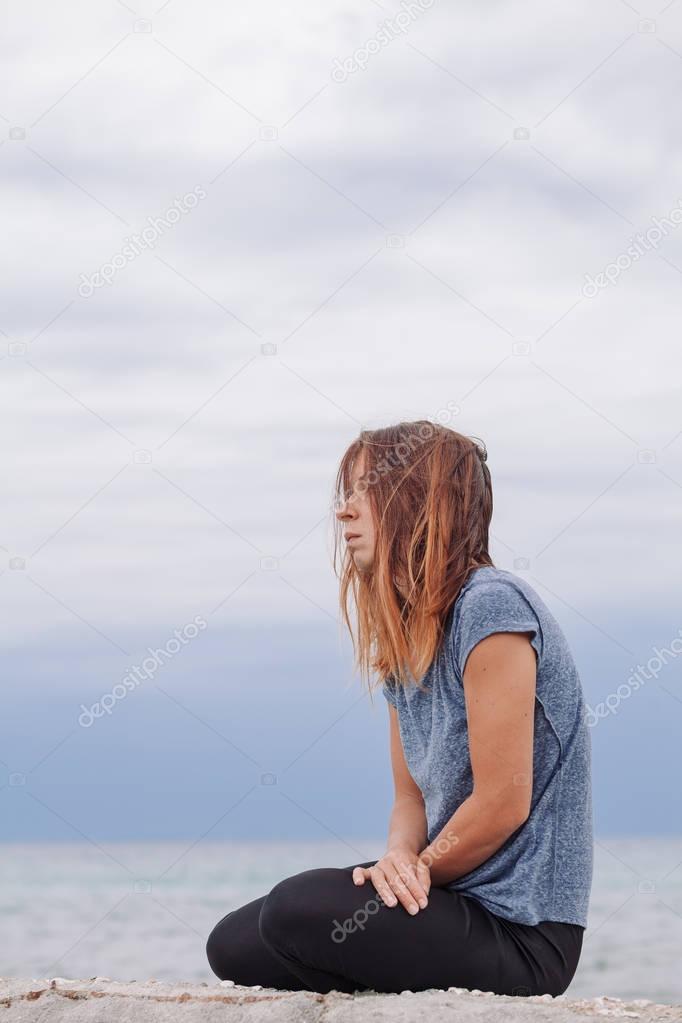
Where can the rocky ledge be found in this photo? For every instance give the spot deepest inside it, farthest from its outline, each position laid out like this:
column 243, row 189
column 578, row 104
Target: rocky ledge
column 101, row 1000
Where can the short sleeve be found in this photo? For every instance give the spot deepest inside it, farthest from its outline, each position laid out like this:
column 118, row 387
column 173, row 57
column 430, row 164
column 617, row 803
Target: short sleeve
column 496, row 606
column 388, row 692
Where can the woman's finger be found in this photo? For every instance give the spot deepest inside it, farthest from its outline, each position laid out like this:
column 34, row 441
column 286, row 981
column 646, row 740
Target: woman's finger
column 382, row 886
column 413, row 884
column 401, row 883
column 359, row 875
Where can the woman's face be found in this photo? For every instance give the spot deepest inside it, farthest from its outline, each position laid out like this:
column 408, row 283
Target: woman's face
column 356, row 515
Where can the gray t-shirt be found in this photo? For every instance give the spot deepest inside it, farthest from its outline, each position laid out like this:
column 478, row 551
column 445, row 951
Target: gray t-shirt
column 544, row 869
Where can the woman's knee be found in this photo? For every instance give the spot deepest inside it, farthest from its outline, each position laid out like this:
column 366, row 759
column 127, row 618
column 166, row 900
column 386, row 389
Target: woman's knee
column 218, row 948
column 234, row 948
column 300, row 907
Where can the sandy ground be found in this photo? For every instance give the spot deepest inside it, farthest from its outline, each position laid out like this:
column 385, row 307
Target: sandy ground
column 100, row 1000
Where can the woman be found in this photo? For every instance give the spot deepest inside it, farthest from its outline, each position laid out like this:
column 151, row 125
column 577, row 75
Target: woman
column 487, row 873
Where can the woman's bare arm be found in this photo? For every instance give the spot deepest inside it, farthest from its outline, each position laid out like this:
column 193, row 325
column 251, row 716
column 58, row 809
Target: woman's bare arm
column 400, row 876
column 499, row 687
column 407, row 826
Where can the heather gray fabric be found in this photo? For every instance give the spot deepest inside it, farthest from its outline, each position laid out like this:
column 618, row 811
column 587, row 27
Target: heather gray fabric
column 544, row 869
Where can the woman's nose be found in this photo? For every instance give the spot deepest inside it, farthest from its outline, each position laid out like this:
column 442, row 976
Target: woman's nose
column 345, row 511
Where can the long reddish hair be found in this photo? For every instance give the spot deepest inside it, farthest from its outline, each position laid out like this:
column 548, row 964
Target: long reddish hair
column 430, row 496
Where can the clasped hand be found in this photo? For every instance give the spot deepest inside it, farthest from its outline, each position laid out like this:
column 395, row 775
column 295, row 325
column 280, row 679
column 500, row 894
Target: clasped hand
column 400, row 876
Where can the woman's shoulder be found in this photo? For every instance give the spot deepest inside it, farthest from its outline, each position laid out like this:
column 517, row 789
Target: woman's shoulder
column 489, row 585
column 495, row 600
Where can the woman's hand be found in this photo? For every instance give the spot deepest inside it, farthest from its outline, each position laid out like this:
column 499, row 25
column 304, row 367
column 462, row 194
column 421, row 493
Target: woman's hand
column 399, row 876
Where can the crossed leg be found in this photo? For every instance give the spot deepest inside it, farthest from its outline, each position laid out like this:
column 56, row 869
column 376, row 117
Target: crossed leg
column 318, row 931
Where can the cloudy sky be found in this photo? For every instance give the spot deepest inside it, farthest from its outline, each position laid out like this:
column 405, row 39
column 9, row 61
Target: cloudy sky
column 312, row 220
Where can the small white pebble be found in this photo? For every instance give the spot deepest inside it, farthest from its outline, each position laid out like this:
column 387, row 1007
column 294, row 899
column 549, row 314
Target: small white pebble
column 227, row 983
column 256, row 987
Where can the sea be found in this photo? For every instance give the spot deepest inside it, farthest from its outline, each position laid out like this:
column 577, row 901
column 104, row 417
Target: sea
column 142, row 910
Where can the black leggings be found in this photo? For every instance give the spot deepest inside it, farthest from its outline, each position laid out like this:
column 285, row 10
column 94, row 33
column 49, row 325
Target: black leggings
column 318, row 931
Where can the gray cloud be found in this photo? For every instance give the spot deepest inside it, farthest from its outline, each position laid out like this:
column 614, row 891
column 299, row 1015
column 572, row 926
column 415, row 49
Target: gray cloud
column 293, row 240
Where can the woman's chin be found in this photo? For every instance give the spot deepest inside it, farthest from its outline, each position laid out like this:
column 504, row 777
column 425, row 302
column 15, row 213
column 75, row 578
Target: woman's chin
column 362, row 563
